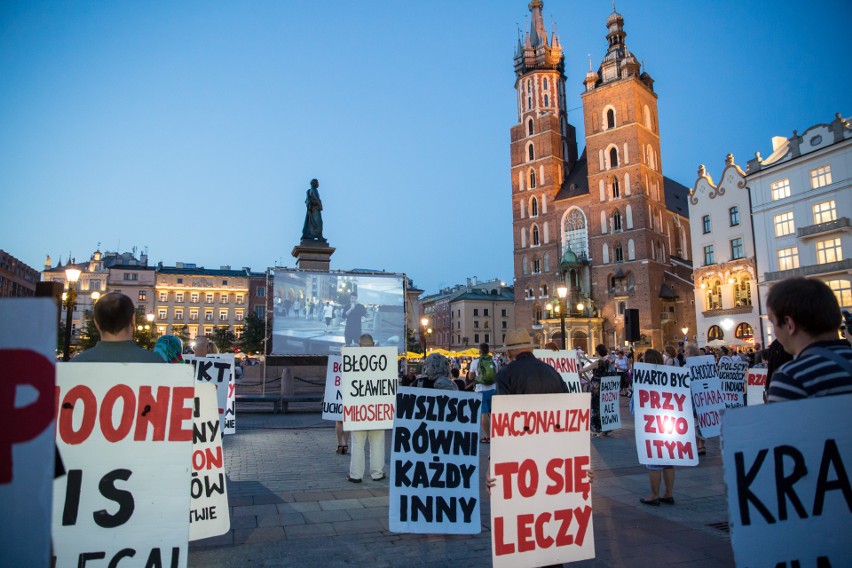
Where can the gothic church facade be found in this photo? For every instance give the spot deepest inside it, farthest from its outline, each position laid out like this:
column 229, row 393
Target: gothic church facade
column 607, row 223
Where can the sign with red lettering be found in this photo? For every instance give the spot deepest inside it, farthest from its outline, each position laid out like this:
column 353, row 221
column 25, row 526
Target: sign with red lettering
column 27, row 400
column 732, row 374
column 707, row 399
column 220, row 370
column 434, row 482
column 332, row 400
column 609, row 403
column 665, row 430
column 125, row 434
column 369, row 387
column 541, row 506
column 208, row 514
column 786, row 470
column 755, row 386
column 566, row 363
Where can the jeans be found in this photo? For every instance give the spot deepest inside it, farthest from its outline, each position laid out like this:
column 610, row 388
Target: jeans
column 377, row 453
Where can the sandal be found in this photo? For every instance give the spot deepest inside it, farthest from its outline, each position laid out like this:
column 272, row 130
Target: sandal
column 345, row 449
column 652, row 502
column 340, row 450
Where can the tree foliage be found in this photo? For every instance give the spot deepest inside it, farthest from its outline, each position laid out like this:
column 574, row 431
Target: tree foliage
column 254, row 333
column 224, row 338
column 90, row 334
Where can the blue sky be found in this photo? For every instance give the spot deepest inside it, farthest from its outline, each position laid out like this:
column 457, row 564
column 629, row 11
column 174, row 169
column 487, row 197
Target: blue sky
column 193, row 128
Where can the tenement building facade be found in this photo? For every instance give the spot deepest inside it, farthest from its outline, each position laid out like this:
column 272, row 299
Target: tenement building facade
column 801, row 199
column 606, row 224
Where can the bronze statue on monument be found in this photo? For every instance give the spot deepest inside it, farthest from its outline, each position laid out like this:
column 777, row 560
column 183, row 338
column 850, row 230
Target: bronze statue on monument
column 312, row 229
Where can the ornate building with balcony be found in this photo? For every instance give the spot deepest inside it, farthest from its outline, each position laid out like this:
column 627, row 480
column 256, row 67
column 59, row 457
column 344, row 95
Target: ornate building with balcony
column 607, row 224
column 725, row 273
column 194, row 301
column 801, row 198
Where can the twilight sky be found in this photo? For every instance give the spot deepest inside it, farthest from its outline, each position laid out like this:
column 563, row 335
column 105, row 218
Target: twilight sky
column 193, row 128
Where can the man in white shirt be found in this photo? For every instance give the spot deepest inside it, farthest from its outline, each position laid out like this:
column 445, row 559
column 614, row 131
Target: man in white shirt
column 482, row 378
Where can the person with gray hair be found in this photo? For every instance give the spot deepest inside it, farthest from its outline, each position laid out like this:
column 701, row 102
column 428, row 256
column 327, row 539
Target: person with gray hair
column 437, row 369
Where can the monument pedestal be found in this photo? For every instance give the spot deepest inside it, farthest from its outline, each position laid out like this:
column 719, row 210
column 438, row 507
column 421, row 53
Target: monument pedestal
column 313, row 255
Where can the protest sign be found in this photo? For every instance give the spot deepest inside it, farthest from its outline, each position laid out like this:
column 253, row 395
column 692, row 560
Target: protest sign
column 732, row 375
column 27, row 402
column 789, row 492
column 665, row 430
column 369, row 387
column 434, row 482
column 125, row 434
column 208, row 513
column 755, row 386
column 610, row 411
column 219, row 369
column 706, row 392
column 332, row 400
column 541, row 506
column 566, row 363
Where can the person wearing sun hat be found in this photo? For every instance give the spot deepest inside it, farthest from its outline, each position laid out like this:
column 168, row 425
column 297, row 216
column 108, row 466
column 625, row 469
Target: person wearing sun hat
column 526, row 374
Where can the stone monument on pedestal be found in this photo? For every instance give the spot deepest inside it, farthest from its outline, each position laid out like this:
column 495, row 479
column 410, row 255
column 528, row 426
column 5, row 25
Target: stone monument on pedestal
column 313, row 252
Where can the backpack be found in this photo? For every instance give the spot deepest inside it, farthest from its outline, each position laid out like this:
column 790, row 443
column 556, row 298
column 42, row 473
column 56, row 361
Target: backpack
column 486, row 371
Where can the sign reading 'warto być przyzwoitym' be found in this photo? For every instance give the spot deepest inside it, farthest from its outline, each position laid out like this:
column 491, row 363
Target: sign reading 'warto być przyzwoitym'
column 665, row 430
column 435, row 462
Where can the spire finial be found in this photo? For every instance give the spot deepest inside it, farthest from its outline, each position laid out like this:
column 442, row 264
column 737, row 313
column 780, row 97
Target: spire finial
column 613, row 6
column 590, row 61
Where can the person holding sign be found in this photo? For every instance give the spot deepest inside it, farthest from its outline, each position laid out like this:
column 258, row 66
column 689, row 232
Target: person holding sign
column 599, row 368
column 806, row 317
column 484, row 378
column 656, row 473
column 359, row 439
column 526, row 374
column 115, row 319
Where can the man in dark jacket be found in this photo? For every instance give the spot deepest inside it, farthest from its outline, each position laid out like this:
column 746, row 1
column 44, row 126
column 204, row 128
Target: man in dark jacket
column 526, row 374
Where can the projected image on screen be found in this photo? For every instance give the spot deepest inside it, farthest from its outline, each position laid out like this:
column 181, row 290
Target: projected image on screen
column 317, row 313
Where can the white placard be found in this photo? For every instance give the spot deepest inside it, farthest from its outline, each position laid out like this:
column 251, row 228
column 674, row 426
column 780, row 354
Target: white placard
column 566, row 363
column 219, row 369
column 332, row 400
column 786, row 469
column 369, row 387
column 732, row 375
column 434, row 483
column 609, row 409
column 208, row 514
column 125, row 434
column 665, row 430
column 755, row 386
column 707, row 400
column 27, row 405
column 541, row 506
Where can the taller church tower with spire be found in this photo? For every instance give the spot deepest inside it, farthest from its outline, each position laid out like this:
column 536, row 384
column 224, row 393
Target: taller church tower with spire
column 608, row 226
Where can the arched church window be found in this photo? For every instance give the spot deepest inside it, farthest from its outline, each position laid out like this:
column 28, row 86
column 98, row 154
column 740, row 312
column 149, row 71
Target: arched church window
column 531, row 152
column 616, row 221
column 616, row 191
column 532, row 178
column 576, row 234
column 610, row 118
column 546, row 100
column 530, row 127
column 533, row 207
column 613, row 157
column 536, row 240
column 545, row 83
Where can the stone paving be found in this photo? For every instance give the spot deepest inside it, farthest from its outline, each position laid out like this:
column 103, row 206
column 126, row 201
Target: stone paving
column 292, row 506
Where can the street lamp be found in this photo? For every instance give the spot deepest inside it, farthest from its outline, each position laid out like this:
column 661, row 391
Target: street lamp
column 423, row 323
column 71, row 275
column 562, row 292
column 685, row 330
column 150, row 318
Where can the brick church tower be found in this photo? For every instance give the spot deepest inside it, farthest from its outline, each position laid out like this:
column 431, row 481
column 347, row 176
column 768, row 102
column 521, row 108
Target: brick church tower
column 608, row 225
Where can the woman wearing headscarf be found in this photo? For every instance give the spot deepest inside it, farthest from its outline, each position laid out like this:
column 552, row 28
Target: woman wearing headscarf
column 437, row 369
column 170, row 348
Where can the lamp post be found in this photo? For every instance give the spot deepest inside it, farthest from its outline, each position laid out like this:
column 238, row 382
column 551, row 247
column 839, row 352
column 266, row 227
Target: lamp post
column 562, row 292
column 150, row 318
column 71, row 275
column 423, row 323
column 685, row 330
